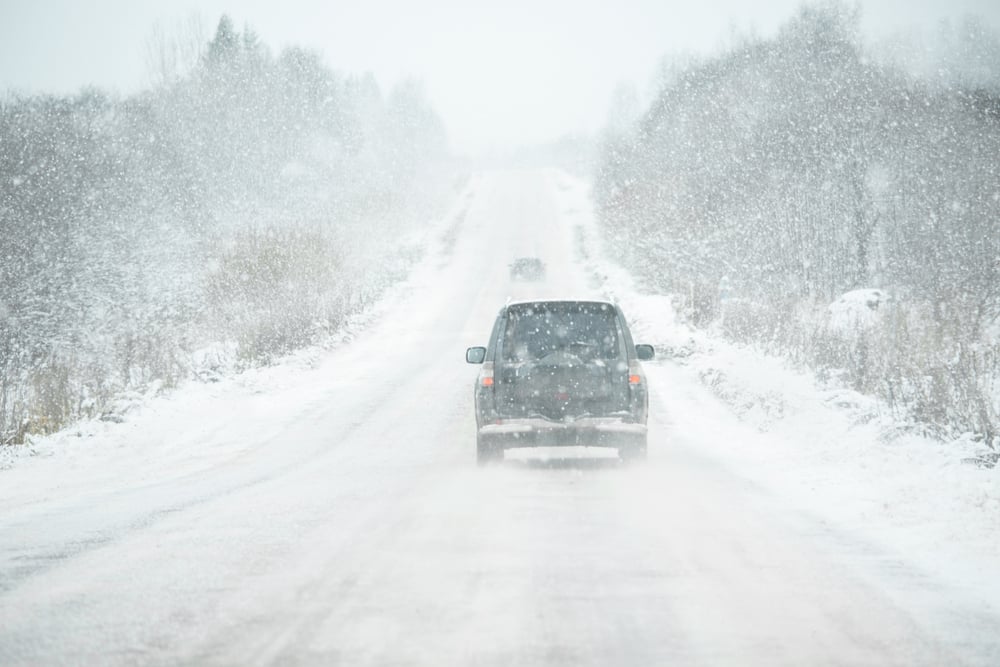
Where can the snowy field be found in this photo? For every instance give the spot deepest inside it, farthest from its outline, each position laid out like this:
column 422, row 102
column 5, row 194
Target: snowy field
column 329, row 510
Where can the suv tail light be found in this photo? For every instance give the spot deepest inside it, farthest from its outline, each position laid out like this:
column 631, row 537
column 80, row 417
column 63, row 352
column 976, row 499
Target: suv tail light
column 634, row 373
column 486, row 375
column 637, row 393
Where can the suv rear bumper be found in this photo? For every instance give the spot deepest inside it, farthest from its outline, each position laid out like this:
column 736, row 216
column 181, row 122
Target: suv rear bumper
column 587, row 432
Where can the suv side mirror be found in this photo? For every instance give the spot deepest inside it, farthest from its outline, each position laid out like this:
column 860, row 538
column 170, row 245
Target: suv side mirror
column 476, row 355
column 644, row 352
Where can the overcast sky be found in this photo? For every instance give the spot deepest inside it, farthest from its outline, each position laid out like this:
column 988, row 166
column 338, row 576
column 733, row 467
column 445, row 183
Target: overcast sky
column 499, row 73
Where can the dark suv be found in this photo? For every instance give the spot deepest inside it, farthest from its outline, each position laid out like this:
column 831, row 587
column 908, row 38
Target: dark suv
column 560, row 373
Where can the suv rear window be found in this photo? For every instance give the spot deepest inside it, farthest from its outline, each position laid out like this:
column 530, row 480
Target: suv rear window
column 536, row 330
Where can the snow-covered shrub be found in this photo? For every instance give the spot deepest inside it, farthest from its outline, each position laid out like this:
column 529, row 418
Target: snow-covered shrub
column 747, row 321
column 856, row 312
column 274, row 289
column 948, row 384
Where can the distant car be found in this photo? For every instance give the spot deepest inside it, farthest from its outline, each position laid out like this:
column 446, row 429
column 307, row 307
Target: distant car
column 560, row 373
column 527, row 268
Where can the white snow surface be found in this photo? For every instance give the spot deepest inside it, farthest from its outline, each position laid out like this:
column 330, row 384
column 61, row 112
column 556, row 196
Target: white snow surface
column 328, row 510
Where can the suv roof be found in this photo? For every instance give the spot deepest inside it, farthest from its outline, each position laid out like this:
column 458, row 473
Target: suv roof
column 596, row 301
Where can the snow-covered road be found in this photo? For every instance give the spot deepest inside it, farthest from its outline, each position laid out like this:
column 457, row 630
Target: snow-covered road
column 329, row 511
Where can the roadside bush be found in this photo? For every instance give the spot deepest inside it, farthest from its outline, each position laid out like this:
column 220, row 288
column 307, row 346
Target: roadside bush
column 275, row 290
column 941, row 385
column 945, row 385
column 746, row 321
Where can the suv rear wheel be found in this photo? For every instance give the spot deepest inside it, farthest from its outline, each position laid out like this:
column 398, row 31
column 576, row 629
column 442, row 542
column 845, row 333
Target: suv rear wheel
column 488, row 450
column 634, row 452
